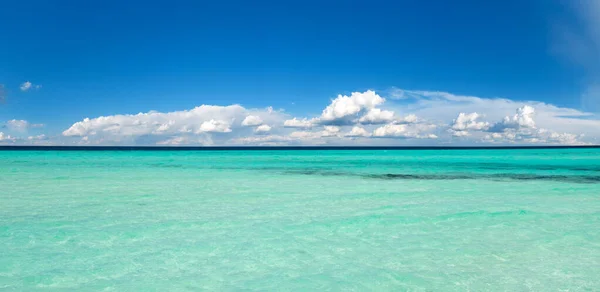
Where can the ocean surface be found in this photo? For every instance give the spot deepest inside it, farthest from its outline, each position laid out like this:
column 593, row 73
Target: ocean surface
column 314, row 220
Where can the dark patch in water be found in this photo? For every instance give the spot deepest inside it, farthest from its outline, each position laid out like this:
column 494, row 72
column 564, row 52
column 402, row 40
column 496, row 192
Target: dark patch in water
column 459, row 176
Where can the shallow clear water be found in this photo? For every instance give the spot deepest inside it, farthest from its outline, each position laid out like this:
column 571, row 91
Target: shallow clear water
column 430, row 220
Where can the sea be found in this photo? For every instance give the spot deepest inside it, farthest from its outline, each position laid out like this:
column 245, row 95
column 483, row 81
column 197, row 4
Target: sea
column 300, row 220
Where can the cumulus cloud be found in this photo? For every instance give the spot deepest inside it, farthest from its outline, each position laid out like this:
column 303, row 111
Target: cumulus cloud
column 402, row 131
column 465, row 122
column 205, row 118
column 377, row 116
column 214, row 126
column 330, row 131
column 459, row 133
column 469, row 122
column 358, row 132
column 441, row 107
column 251, row 121
column 412, row 118
column 519, row 128
column 522, row 119
column 345, row 109
column 391, row 130
column 541, row 136
column 262, row 129
column 167, row 128
column 357, row 119
column 26, row 86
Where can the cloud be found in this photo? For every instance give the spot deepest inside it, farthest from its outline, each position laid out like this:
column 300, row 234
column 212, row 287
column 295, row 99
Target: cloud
column 518, row 128
column 345, row 109
column 358, row 132
column 377, row 116
column 459, row 133
column 297, row 123
column 165, row 128
column 469, row 122
column 541, row 136
column 330, row 131
column 403, row 131
column 5, row 137
column 252, row 121
column 426, row 118
column 21, row 125
column 38, row 137
column 214, row 126
column 327, row 132
column 17, row 125
column 26, row 86
column 205, row 118
column 187, row 140
column 409, row 119
column 262, row 129
column 522, row 119
column 465, row 122
column 268, row 140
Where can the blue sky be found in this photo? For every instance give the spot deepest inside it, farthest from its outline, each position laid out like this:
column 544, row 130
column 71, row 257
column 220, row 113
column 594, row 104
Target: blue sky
column 90, row 59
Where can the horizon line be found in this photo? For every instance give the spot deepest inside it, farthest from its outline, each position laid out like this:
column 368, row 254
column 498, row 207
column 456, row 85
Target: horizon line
column 225, row 148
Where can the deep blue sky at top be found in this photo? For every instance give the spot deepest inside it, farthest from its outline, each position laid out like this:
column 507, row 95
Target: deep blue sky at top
column 107, row 57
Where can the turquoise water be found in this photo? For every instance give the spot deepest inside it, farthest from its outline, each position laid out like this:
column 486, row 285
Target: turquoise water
column 370, row 220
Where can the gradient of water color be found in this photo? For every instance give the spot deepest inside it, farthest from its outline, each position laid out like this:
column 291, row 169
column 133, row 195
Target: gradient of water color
column 430, row 220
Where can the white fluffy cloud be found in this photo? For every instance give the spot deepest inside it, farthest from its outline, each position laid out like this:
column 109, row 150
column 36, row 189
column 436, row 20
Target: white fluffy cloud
column 465, row 122
column 442, row 106
column 251, row 121
column 419, row 118
column 377, row 116
column 519, row 128
column 522, row 119
column 412, row 118
column 542, row 136
column 330, row 131
column 391, row 130
column 344, row 109
column 358, row 132
column 469, row 122
column 262, row 129
column 214, row 126
column 403, row 131
column 205, row 118
column 173, row 128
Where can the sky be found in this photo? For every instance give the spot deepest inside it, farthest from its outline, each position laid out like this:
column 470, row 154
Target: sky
column 406, row 72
